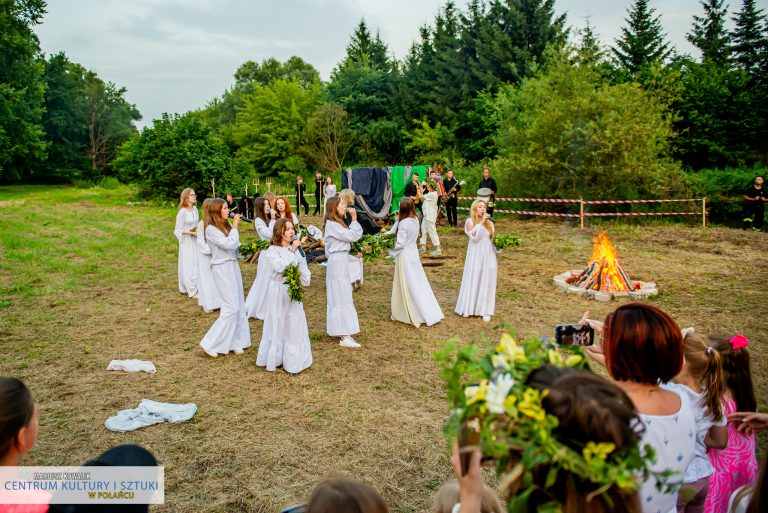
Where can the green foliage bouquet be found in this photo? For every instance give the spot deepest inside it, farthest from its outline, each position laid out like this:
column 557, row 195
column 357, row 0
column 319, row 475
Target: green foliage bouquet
column 489, row 395
column 292, row 275
column 373, row 246
column 249, row 248
column 506, row 241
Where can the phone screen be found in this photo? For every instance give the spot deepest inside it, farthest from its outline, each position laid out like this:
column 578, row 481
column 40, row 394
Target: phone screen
column 574, row 335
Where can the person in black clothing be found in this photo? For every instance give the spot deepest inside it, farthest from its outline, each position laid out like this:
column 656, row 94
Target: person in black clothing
column 452, row 188
column 232, row 205
column 301, row 189
column 414, row 191
column 756, row 197
column 489, row 183
column 319, row 183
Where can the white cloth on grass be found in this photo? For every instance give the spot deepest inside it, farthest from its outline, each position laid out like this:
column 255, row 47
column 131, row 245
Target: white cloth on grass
column 132, row 366
column 413, row 301
column 477, row 295
column 207, row 294
column 186, row 219
column 148, row 413
column 230, row 332
column 341, row 316
column 285, row 336
column 256, row 303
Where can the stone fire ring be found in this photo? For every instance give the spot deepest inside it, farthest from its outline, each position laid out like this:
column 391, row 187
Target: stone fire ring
column 647, row 289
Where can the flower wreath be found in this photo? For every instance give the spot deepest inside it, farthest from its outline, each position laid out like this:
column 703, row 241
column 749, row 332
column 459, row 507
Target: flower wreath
column 489, row 392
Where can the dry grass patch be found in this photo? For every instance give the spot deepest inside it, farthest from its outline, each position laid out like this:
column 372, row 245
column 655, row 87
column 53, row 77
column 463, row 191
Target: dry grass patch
column 90, row 279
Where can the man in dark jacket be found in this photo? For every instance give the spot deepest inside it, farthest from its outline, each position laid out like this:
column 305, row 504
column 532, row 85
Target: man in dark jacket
column 301, row 188
column 489, row 183
column 319, row 182
column 452, row 188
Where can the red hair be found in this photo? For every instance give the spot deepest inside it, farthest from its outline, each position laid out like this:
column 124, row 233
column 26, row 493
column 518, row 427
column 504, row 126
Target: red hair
column 642, row 344
column 287, row 207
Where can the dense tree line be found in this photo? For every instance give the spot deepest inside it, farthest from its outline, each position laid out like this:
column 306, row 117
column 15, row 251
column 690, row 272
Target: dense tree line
column 501, row 81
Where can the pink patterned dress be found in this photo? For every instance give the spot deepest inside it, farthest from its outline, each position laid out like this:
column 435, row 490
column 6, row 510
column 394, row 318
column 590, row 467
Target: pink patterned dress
column 736, row 465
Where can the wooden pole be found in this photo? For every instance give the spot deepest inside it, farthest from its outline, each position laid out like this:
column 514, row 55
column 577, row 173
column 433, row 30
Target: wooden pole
column 581, row 212
column 704, row 212
column 213, row 187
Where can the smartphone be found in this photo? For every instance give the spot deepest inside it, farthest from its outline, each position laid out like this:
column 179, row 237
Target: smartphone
column 296, row 508
column 469, row 442
column 574, row 335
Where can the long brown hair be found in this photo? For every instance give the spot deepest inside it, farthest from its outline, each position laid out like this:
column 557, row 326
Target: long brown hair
column 737, row 371
column 589, row 408
column 477, row 219
column 287, row 207
column 16, row 410
column 214, row 216
column 706, row 367
column 343, row 495
column 206, row 216
column 258, row 209
column 184, row 199
column 278, row 230
column 331, row 212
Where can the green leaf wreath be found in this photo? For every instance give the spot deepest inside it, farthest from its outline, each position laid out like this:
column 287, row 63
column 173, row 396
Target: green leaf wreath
column 251, row 247
column 488, row 391
column 292, row 275
column 506, row 241
column 373, row 247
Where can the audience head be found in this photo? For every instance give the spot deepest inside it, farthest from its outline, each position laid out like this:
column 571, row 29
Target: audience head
column 347, row 197
column 218, row 213
column 334, row 210
column 737, row 373
column 705, row 366
column 345, row 496
column 260, row 206
column 18, row 420
column 642, row 344
column 282, row 232
column 230, row 198
column 448, row 495
column 328, row 180
column 271, row 197
column 449, row 173
column 407, row 208
column 188, row 198
column 589, row 408
column 486, row 173
column 283, row 207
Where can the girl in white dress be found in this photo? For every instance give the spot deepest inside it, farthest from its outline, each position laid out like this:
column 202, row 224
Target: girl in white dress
column 186, row 220
column 230, row 332
column 341, row 316
column 207, row 293
column 478, row 283
column 285, row 338
column 264, row 223
column 329, row 191
column 412, row 299
column 283, row 210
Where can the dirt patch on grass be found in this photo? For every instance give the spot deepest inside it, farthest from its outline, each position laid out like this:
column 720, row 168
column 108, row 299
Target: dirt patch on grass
column 262, row 440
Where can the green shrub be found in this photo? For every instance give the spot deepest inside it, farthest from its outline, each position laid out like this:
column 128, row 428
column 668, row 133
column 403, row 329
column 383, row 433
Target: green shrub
column 83, row 183
column 109, row 182
column 724, row 190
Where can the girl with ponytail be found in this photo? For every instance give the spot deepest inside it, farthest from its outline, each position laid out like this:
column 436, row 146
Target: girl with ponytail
column 701, row 379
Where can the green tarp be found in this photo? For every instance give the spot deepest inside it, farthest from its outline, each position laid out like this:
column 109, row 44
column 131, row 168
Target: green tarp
column 400, row 176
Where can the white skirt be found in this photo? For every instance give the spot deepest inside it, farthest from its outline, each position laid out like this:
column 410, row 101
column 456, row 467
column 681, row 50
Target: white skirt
column 256, row 302
column 285, row 337
column 413, row 301
column 231, row 330
column 355, row 269
column 207, row 294
column 188, row 265
column 341, row 316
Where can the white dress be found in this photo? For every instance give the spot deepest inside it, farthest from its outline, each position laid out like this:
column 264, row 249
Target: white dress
column 285, row 338
column 673, row 437
column 255, row 303
column 330, row 192
column 412, row 299
column 355, row 269
column 230, row 331
column 207, row 294
column 341, row 316
column 478, row 282
column 186, row 219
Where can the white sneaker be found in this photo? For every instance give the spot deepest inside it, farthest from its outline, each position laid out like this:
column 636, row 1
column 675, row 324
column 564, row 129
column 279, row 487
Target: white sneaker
column 212, row 354
column 436, row 252
column 348, row 342
column 487, row 318
column 238, row 351
column 422, row 249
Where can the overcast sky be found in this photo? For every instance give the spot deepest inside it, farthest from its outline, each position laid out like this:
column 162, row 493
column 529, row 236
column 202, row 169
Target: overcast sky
column 176, row 55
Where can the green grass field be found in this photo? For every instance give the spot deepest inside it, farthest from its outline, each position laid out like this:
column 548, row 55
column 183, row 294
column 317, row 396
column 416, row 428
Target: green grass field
column 89, row 275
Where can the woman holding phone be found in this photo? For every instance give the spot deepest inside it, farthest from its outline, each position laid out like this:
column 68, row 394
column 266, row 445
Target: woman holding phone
column 341, row 318
column 264, row 224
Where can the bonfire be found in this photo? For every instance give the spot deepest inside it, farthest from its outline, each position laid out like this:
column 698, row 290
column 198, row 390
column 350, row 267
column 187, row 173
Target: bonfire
column 603, row 278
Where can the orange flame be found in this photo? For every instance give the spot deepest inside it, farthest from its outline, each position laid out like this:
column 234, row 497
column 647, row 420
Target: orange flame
column 603, row 271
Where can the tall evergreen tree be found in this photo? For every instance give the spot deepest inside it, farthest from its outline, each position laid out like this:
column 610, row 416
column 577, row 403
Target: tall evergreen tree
column 21, row 88
column 749, row 41
column 642, row 41
column 709, row 34
column 365, row 48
